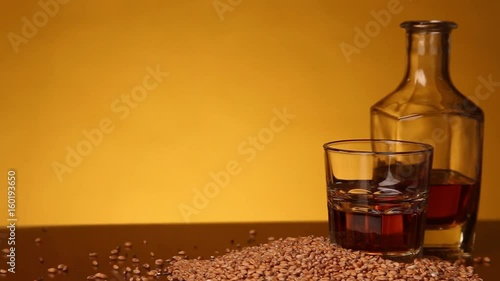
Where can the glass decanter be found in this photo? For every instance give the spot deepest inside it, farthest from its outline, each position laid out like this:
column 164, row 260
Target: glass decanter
column 427, row 108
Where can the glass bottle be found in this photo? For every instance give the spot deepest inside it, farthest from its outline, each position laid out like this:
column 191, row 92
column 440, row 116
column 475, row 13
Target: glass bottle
column 427, row 108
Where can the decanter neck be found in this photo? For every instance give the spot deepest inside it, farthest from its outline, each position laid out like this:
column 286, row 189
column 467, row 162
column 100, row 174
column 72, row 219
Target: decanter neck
column 428, row 51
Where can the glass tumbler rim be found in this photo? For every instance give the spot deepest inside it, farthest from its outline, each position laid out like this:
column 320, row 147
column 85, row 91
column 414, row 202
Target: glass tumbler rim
column 422, row 147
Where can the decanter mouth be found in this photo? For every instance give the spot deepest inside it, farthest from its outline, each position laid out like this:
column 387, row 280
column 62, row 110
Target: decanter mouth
column 429, row 26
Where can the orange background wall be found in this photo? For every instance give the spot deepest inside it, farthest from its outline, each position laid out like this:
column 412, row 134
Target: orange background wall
column 84, row 69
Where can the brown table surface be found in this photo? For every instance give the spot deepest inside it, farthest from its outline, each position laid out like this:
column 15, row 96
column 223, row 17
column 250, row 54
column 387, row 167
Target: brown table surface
column 71, row 245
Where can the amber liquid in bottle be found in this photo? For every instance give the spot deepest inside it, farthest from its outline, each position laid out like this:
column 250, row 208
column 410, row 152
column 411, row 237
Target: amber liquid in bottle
column 451, row 199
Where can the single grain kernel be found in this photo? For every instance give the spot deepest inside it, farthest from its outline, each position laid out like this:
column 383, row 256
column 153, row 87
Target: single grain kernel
column 51, row 270
column 100, row 275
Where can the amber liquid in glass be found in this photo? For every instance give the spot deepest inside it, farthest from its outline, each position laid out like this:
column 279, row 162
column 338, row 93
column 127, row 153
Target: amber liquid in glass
column 361, row 221
column 376, row 233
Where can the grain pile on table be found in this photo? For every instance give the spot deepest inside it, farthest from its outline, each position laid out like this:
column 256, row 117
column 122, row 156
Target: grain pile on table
column 310, row 258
